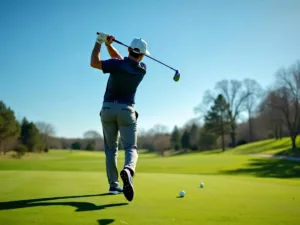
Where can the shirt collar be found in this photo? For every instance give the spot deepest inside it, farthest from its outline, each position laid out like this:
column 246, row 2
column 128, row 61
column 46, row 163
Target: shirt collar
column 129, row 60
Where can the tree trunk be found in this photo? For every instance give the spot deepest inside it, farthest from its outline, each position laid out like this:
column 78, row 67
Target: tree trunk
column 276, row 133
column 46, row 141
column 293, row 138
column 3, row 147
column 280, row 131
column 233, row 140
column 222, row 134
column 233, row 134
column 250, row 129
column 223, row 142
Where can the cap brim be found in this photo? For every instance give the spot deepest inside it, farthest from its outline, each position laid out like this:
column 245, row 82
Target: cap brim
column 147, row 52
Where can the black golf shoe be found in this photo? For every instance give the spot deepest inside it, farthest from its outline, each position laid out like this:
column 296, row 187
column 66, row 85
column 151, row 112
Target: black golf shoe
column 128, row 190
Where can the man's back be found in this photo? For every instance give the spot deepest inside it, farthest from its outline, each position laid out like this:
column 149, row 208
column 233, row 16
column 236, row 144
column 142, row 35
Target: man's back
column 125, row 77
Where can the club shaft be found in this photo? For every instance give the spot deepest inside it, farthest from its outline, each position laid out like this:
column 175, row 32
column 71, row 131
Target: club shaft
column 119, row 42
column 161, row 62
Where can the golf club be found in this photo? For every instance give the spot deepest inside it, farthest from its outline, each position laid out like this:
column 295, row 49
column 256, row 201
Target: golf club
column 177, row 73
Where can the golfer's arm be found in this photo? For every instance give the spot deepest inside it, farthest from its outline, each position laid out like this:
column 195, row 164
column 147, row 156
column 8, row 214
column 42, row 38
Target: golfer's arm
column 113, row 52
column 95, row 57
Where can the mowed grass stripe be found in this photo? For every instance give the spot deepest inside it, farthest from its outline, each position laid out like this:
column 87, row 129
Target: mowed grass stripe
column 95, row 161
column 197, row 163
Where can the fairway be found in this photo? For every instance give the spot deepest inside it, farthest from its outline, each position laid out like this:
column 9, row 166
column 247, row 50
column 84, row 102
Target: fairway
column 70, row 188
column 33, row 197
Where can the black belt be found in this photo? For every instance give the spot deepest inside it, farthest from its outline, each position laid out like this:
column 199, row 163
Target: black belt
column 119, row 102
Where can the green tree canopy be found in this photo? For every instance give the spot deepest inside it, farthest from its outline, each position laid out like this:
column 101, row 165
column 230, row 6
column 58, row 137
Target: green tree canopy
column 76, row 145
column 30, row 136
column 9, row 126
column 175, row 139
column 185, row 140
column 194, row 137
column 217, row 118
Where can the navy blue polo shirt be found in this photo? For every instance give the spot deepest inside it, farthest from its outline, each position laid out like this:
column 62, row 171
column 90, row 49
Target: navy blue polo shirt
column 125, row 77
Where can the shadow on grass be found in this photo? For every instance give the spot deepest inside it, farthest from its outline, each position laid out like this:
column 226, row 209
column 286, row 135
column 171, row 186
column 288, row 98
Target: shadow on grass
column 105, row 221
column 289, row 152
column 80, row 206
column 269, row 167
column 179, row 197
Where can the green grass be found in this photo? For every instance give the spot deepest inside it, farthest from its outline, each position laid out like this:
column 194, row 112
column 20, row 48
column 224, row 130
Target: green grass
column 59, row 160
column 270, row 146
column 61, row 187
column 35, row 197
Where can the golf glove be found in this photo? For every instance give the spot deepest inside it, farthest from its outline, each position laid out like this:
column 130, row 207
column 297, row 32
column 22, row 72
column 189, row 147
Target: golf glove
column 102, row 37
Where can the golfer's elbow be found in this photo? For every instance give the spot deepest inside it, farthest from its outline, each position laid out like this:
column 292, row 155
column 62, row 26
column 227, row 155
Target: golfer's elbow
column 96, row 64
column 92, row 64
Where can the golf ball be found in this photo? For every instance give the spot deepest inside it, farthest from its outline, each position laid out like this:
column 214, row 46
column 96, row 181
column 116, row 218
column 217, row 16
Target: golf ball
column 182, row 193
column 202, row 185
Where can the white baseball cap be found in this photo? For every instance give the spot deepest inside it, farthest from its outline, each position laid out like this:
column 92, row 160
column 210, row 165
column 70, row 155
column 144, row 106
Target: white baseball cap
column 141, row 45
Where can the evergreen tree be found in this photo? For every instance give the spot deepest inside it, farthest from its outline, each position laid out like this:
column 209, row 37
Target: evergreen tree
column 30, row 136
column 207, row 140
column 76, row 145
column 185, row 140
column 217, row 119
column 90, row 146
column 194, row 137
column 9, row 126
column 175, row 139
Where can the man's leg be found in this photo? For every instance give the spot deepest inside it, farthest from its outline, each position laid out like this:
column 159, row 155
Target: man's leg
column 110, row 134
column 129, row 140
column 127, row 120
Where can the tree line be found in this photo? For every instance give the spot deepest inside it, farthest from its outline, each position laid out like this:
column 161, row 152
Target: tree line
column 21, row 136
column 270, row 112
column 28, row 136
column 238, row 112
column 241, row 111
column 235, row 112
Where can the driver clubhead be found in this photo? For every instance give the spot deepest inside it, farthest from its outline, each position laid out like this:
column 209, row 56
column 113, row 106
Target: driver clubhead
column 176, row 76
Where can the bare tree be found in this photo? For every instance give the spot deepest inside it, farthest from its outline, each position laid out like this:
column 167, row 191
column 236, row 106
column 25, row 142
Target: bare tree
column 235, row 95
column 47, row 130
column 270, row 117
column 286, row 98
column 254, row 91
column 202, row 109
column 159, row 129
column 94, row 137
column 162, row 143
column 91, row 134
column 155, row 139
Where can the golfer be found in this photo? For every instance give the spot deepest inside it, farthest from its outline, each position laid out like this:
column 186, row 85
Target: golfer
column 118, row 115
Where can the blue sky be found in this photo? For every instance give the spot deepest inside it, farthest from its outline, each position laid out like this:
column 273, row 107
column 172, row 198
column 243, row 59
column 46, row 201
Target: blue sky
column 46, row 47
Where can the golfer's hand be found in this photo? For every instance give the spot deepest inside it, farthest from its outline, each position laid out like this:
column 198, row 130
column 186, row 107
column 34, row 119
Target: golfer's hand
column 102, row 37
column 110, row 40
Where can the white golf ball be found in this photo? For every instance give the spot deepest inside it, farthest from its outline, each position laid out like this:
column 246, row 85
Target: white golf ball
column 182, row 193
column 202, row 185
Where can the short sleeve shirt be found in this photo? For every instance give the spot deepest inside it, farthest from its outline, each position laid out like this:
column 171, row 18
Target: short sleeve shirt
column 125, row 77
